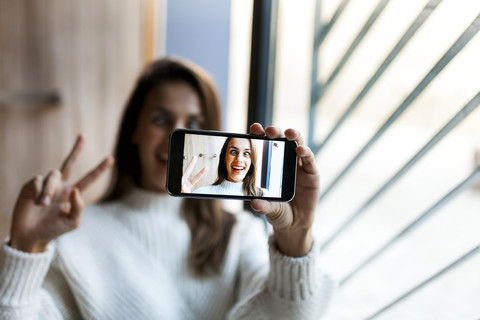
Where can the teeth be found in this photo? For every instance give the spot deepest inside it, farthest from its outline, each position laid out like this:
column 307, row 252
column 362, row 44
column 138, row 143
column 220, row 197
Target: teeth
column 238, row 168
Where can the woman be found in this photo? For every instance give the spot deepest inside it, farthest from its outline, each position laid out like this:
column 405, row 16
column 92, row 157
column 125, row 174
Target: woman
column 236, row 170
column 141, row 254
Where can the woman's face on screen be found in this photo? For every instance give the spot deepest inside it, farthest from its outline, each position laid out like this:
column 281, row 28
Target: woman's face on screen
column 238, row 159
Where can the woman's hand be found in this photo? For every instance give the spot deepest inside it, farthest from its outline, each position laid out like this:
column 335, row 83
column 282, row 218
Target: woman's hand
column 292, row 222
column 50, row 206
column 187, row 184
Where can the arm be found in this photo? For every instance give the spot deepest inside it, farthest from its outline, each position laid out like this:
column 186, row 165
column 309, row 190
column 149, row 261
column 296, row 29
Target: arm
column 46, row 208
column 292, row 222
column 275, row 286
column 24, row 291
column 295, row 287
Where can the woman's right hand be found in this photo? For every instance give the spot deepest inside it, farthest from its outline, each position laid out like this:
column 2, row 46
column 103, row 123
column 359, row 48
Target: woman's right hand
column 50, row 206
column 187, row 184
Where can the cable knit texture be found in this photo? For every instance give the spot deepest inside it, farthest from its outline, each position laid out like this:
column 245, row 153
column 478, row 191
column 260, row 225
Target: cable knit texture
column 224, row 188
column 128, row 260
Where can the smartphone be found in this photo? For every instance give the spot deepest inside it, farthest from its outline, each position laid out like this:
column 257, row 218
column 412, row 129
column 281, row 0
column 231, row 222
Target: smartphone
column 214, row 164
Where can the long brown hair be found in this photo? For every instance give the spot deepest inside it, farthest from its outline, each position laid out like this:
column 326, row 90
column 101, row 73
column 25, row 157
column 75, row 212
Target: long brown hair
column 249, row 187
column 209, row 224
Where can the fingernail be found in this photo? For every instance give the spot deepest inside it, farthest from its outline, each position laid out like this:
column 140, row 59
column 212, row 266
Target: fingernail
column 45, row 200
column 65, row 207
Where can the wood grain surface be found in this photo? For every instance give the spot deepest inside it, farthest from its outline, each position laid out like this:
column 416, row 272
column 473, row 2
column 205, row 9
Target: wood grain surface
column 89, row 53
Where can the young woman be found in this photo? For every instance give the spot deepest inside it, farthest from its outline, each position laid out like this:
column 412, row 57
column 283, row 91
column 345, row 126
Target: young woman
column 141, row 254
column 236, row 170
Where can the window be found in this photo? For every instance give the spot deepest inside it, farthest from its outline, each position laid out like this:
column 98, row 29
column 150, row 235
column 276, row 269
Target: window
column 394, row 120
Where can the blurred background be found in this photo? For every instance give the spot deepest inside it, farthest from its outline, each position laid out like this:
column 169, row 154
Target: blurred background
column 386, row 93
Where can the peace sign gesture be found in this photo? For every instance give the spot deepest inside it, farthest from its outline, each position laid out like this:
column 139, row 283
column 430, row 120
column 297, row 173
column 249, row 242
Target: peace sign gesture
column 50, row 206
column 187, row 183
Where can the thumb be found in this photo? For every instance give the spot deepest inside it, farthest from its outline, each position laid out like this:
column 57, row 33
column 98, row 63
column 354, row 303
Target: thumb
column 77, row 206
column 261, row 206
column 274, row 211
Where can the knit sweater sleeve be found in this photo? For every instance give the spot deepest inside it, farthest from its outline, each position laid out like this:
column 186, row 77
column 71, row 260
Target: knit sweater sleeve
column 22, row 285
column 287, row 288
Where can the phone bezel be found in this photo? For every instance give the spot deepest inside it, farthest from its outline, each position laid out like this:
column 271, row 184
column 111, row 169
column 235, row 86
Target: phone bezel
column 175, row 165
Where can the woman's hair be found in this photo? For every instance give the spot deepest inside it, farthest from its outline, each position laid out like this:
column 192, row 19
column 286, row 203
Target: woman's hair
column 249, row 187
column 209, row 224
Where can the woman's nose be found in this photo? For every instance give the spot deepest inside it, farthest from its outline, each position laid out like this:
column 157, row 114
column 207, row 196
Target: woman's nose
column 179, row 124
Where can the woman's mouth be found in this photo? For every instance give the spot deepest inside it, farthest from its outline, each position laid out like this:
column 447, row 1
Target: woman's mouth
column 238, row 169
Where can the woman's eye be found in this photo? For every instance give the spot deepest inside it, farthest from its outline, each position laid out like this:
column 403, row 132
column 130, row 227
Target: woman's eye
column 193, row 124
column 234, row 152
column 161, row 120
column 247, row 154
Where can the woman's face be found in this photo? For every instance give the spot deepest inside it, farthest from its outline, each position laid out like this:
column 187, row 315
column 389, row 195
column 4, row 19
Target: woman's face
column 238, row 159
column 168, row 106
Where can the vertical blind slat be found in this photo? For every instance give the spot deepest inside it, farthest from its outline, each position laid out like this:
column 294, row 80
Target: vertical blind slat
column 412, row 29
column 427, row 281
column 459, row 44
column 465, row 184
column 457, row 119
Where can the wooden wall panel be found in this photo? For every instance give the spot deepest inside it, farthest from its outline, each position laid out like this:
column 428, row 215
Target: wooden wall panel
column 90, row 52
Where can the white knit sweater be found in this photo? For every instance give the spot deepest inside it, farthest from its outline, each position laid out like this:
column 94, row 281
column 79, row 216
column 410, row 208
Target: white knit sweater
column 128, row 260
column 224, row 188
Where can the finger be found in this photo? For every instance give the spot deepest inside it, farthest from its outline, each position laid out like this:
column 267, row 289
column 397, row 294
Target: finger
column 198, row 176
column 37, row 184
column 190, row 167
column 93, row 175
column 260, row 206
column 64, row 207
column 308, row 159
column 77, row 206
column 273, row 132
column 257, row 129
column 274, row 211
column 72, row 157
column 292, row 134
column 50, row 184
column 33, row 188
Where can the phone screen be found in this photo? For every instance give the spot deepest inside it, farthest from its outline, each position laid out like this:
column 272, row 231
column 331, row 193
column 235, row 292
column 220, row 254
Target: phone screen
column 223, row 165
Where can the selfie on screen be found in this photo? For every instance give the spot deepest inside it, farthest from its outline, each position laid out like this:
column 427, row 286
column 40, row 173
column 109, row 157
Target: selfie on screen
column 233, row 166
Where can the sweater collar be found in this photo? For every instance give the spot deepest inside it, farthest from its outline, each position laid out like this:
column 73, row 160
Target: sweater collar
column 150, row 201
column 233, row 187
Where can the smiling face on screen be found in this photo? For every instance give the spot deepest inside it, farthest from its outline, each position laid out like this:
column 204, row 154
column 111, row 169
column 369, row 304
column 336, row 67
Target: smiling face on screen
column 238, row 159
